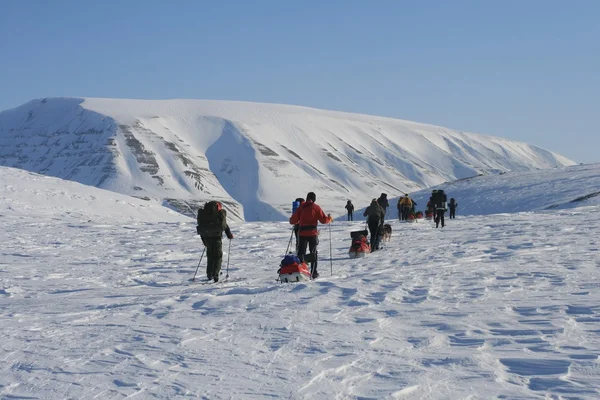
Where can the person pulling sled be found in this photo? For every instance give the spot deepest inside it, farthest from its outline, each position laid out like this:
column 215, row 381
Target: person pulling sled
column 375, row 218
column 307, row 216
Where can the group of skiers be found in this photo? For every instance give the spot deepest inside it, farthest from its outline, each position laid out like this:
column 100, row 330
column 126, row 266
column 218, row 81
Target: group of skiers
column 212, row 223
column 406, row 206
column 376, row 211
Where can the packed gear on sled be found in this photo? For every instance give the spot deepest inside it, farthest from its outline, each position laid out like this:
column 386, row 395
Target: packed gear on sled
column 429, row 210
column 419, row 214
column 360, row 246
column 291, row 269
column 411, row 218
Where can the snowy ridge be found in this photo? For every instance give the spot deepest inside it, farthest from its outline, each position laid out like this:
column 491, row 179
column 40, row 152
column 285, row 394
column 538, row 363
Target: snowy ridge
column 254, row 157
column 27, row 193
column 561, row 188
column 492, row 306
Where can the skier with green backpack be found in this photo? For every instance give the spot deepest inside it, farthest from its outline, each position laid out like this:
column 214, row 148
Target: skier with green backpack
column 212, row 222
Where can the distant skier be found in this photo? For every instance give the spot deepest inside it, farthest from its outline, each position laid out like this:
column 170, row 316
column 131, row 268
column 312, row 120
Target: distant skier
column 350, row 208
column 307, row 216
column 212, row 222
column 429, row 208
column 383, row 202
column 405, row 204
column 452, row 207
column 439, row 204
column 375, row 219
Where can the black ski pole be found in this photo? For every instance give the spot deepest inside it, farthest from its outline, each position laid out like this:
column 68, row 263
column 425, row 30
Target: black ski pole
column 192, row 280
column 228, row 251
column 330, row 255
column 290, row 242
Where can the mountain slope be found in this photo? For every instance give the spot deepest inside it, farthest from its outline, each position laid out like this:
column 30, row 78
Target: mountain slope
column 254, row 157
column 562, row 188
column 27, row 193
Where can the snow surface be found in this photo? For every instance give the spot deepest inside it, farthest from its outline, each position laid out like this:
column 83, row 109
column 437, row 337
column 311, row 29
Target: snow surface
column 254, row 157
column 95, row 303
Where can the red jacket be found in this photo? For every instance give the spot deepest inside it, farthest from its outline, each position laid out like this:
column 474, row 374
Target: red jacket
column 308, row 215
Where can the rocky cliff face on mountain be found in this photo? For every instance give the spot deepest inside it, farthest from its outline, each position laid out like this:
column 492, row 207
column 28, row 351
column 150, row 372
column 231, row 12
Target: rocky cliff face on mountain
column 255, row 158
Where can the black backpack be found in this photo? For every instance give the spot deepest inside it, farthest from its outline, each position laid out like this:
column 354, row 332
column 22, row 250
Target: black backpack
column 211, row 220
column 439, row 198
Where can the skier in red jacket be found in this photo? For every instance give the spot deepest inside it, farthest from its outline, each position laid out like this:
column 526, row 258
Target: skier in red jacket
column 308, row 215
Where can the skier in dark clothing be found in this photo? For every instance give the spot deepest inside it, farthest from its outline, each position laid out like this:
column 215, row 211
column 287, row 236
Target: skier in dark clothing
column 452, row 207
column 383, row 202
column 212, row 222
column 307, row 216
column 375, row 217
column 439, row 204
column 350, row 208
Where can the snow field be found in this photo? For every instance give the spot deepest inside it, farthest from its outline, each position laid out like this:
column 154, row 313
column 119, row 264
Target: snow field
column 489, row 306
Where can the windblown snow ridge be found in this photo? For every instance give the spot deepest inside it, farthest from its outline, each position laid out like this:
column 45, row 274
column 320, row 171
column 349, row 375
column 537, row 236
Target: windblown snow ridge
column 254, row 157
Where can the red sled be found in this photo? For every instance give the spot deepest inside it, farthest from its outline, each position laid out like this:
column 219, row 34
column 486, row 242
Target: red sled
column 360, row 247
column 293, row 270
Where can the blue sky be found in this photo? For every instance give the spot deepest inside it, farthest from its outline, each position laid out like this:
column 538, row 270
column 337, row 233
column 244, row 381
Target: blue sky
column 523, row 70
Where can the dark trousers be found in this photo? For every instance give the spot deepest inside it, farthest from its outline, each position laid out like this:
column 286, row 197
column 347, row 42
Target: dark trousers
column 214, row 257
column 405, row 212
column 439, row 217
column 452, row 213
column 374, row 232
column 311, row 242
column 350, row 217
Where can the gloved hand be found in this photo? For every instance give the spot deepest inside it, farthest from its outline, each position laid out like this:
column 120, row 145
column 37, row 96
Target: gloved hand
column 230, row 236
column 330, row 218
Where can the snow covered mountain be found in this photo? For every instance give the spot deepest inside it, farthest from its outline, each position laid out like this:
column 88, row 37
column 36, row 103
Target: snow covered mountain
column 254, row 157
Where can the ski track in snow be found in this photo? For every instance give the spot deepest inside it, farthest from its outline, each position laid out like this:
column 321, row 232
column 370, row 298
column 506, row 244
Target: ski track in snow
column 498, row 306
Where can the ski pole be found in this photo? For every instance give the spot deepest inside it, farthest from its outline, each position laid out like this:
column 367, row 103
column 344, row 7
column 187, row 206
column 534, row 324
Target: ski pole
column 198, row 265
column 330, row 255
column 290, row 242
column 228, row 252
